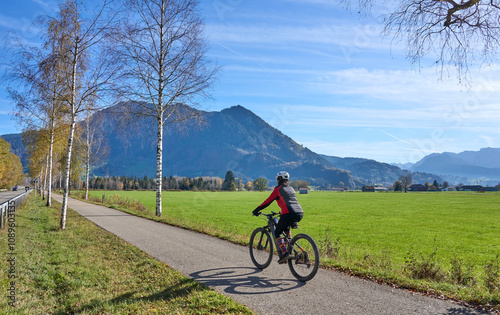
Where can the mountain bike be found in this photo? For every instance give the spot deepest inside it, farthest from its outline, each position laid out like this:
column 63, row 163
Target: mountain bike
column 304, row 261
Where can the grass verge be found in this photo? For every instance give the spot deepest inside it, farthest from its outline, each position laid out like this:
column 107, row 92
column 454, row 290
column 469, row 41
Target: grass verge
column 86, row 270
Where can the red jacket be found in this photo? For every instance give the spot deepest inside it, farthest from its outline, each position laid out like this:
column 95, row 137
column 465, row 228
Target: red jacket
column 286, row 199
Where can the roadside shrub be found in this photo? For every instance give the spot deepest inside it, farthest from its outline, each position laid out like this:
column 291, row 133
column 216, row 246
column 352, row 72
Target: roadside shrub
column 423, row 267
column 114, row 200
column 328, row 247
column 460, row 273
column 125, row 202
column 492, row 275
column 385, row 261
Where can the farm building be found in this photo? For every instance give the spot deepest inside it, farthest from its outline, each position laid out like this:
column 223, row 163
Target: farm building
column 483, row 189
column 471, row 188
column 368, row 189
column 417, row 187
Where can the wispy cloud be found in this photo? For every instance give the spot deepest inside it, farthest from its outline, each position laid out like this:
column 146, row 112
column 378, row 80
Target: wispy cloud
column 392, row 136
column 405, row 86
column 481, row 119
column 336, row 33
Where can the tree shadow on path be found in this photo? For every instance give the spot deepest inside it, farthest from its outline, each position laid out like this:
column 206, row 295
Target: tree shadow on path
column 180, row 289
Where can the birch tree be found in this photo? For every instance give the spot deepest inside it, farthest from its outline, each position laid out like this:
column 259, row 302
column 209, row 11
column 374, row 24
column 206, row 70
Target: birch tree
column 165, row 67
column 96, row 148
column 39, row 94
column 91, row 71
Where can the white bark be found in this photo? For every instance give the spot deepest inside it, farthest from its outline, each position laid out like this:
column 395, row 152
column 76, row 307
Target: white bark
column 87, row 160
column 45, row 177
column 159, row 158
column 70, row 139
column 49, row 175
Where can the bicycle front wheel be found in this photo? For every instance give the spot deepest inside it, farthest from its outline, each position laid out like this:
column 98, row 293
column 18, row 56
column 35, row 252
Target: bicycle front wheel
column 261, row 248
column 304, row 263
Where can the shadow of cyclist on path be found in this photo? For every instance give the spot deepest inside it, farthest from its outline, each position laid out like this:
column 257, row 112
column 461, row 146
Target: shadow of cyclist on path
column 243, row 280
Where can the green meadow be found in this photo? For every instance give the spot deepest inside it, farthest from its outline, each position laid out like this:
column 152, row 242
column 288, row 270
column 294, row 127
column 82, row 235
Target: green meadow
column 444, row 242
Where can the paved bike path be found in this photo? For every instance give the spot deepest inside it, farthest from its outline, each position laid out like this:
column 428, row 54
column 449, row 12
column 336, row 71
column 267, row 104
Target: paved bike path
column 227, row 268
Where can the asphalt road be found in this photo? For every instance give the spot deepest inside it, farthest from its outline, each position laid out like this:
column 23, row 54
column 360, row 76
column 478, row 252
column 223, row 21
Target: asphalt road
column 227, row 268
column 7, row 195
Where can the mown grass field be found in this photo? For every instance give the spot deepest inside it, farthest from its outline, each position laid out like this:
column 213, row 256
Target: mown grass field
column 441, row 242
column 85, row 270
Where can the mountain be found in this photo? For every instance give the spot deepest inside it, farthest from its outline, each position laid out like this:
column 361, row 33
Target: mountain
column 17, row 147
column 233, row 139
column 372, row 172
column 467, row 166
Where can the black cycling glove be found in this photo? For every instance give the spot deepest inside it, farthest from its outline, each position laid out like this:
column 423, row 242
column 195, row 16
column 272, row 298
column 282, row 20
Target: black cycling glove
column 255, row 212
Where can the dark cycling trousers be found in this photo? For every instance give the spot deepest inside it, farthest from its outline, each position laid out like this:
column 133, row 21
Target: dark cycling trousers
column 286, row 221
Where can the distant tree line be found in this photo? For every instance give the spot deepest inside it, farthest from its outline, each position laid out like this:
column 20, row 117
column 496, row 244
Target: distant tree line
column 149, row 183
column 230, row 183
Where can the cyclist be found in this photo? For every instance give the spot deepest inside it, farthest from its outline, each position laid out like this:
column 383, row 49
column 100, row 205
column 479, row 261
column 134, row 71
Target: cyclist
column 291, row 211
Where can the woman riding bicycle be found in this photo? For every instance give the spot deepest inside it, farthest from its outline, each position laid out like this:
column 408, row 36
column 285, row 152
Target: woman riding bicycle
column 291, row 211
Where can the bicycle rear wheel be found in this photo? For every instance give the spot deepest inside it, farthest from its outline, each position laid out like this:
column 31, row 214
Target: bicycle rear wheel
column 305, row 257
column 261, row 248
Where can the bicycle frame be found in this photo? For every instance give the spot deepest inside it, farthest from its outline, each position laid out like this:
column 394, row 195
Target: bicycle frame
column 271, row 226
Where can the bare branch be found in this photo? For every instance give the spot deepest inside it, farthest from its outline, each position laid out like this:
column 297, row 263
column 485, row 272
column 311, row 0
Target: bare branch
column 456, row 33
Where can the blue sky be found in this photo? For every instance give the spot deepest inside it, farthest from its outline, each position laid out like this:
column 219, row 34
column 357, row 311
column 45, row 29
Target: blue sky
column 325, row 77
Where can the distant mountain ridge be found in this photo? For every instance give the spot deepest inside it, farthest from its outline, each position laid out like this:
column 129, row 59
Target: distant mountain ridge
column 236, row 139
column 467, row 166
column 372, row 172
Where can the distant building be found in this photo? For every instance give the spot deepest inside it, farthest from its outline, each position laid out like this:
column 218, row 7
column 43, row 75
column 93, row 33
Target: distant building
column 368, row 189
column 417, row 187
column 303, row 190
column 471, row 188
column 483, row 189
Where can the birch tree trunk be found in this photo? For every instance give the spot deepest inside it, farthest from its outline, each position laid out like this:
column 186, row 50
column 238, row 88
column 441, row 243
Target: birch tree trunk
column 45, row 180
column 159, row 158
column 87, row 160
column 51, row 152
column 40, row 182
column 70, row 139
column 159, row 149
